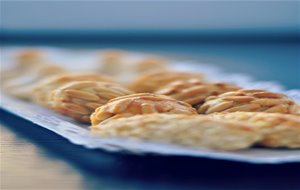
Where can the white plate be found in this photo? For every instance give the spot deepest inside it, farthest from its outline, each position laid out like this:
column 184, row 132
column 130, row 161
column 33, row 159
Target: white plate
column 80, row 135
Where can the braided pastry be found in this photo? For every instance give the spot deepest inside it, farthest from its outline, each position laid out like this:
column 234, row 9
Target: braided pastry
column 249, row 101
column 29, row 55
column 194, row 91
column 150, row 64
column 187, row 130
column 143, row 103
column 125, row 67
column 24, row 60
column 43, row 89
column 278, row 130
column 80, row 99
column 22, row 86
column 150, row 82
column 111, row 61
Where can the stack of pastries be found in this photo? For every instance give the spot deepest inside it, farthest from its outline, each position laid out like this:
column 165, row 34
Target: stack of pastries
column 156, row 103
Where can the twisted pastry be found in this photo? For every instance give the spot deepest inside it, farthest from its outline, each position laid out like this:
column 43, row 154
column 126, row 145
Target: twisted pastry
column 249, row 101
column 194, row 91
column 111, row 61
column 143, row 103
column 22, row 86
column 124, row 67
column 24, row 60
column 187, row 130
column 150, row 82
column 80, row 99
column 278, row 130
column 42, row 91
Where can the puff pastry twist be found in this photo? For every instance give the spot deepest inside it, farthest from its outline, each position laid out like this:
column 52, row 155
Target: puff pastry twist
column 249, row 101
column 144, row 103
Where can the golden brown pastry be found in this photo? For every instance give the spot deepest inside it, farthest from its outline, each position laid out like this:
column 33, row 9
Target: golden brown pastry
column 187, row 130
column 22, row 85
column 150, row 82
column 29, row 56
column 278, row 130
column 194, row 91
column 24, row 60
column 150, row 64
column 144, row 103
column 249, row 101
column 80, row 99
column 125, row 67
column 111, row 61
column 43, row 89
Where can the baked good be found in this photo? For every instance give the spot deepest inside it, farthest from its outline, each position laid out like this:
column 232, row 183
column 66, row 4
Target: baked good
column 194, row 91
column 125, row 67
column 144, row 103
column 80, row 99
column 43, row 89
column 249, row 101
column 22, row 86
column 278, row 130
column 24, row 61
column 111, row 61
column 150, row 82
column 150, row 64
column 187, row 130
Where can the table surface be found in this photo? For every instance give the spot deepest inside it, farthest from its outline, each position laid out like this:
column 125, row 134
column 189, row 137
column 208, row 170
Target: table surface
column 34, row 158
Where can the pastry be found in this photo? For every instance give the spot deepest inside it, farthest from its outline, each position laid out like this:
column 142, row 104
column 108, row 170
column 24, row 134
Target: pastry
column 150, row 82
column 187, row 130
column 194, row 91
column 111, row 61
column 24, row 61
column 144, row 103
column 249, row 101
column 80, row 99
column 22, row 86
column 29, row 56
column 43, row 89
column 150, row 64
column 124, row 67
column 278, row 130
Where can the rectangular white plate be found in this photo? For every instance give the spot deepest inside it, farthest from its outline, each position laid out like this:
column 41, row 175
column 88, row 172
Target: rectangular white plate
column 80, row 135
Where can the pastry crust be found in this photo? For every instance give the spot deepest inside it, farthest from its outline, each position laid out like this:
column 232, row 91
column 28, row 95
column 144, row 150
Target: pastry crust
column 150, row 82
column 80, row 99
column 187, row 130
column 278, row 130
column 249, row 101
column 42, row 91
column 144, row 103
column 194, row 91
